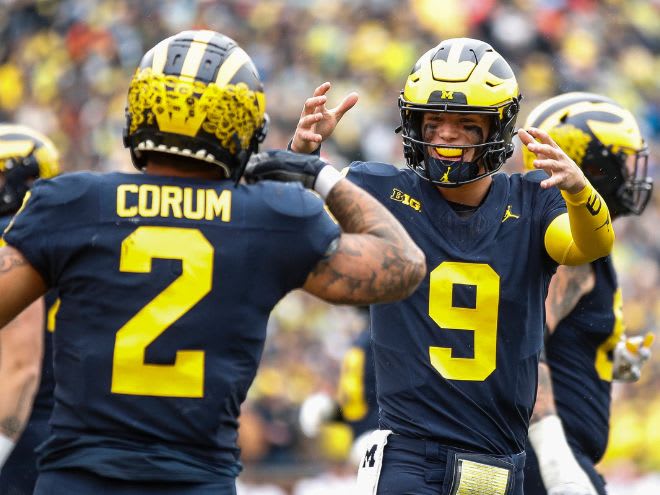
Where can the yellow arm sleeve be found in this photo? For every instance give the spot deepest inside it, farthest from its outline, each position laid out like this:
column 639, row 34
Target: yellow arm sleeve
column 583, row 234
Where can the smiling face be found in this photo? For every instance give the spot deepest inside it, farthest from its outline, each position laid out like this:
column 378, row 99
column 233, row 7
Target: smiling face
column 454, row 129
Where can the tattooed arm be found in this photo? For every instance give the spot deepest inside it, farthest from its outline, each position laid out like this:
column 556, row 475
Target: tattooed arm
column 545, row 400
column 20, row 284
column 21, row 344
column 375, row 258
column 566, row 288
column 559, row 469
column 21, row 349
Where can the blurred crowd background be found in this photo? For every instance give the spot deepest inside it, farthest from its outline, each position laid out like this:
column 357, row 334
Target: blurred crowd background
column 65, row 67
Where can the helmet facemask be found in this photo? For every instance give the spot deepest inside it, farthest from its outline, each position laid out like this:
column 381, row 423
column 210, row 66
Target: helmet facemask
column 459, row 76
column 488, row 156
column 25, row 156
column 18, row 173
column 626, row 192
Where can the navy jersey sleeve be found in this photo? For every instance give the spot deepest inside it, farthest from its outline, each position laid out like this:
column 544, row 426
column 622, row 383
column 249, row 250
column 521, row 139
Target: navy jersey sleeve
column 314, row 230
column 29, row 231
column 4, row 222
column 48, row 210
column 366, row 175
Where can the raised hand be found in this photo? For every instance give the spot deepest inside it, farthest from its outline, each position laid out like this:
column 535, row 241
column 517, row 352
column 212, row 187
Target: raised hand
column 630, row 354
column 563, row 172
column 317, row 122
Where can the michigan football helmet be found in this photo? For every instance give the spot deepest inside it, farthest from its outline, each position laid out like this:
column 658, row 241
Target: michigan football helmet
column 604, row 140
column 196, row 94
column 25, row 155
column 460, row 75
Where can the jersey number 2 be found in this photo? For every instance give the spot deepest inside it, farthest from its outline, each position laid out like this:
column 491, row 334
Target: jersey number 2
column 481, row 319
column 185, row 378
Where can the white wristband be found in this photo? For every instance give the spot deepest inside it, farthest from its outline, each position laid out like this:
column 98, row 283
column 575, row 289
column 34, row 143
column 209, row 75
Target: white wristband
column 326, row 180
column 6, row 446
column 557, row 463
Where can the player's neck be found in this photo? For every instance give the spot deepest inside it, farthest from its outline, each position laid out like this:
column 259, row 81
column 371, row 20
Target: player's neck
column 154, row 168
column 471, row 194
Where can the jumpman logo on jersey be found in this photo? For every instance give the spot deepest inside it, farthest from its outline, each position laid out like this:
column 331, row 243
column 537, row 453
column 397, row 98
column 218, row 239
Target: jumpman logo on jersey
column 508, row 214
column 445, row 177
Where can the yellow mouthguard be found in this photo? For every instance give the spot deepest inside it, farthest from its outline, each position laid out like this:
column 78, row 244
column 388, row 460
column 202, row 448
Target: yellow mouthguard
column 449, row 152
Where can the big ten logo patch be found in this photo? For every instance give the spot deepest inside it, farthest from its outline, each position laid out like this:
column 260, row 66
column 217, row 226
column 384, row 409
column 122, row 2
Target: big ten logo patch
column 406, row 199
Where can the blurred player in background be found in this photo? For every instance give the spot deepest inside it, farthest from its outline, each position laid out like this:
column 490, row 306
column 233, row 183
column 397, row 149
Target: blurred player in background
column 456, row 363
column 167, row 278
column 25, row 155
column 586, row 347
column 355, row 404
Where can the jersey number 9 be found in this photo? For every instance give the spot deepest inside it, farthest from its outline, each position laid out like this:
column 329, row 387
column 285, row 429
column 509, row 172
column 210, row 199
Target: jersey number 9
column 481, row 319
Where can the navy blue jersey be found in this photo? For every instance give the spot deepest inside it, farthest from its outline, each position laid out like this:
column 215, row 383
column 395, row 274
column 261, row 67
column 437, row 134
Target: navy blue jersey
column 357, row 386
column 579, row 353
column 456, row 362
column 165, row 287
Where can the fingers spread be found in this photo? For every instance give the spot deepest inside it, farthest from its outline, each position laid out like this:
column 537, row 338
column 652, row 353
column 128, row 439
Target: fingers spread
column 548, row 183
column 525, row 137
column 308, row 121
column 347, row 103
column 547, row 164
column 312, row 103
column 322, row 89
column 544, row 150
column 542, row 136
column 309, row 135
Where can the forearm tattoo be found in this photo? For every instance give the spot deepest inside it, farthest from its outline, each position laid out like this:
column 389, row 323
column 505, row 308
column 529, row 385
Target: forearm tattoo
column 11, row 426
column 545, row 400
column 10, row 259
column 566, row 288
column 14, row 422
column 391, row 271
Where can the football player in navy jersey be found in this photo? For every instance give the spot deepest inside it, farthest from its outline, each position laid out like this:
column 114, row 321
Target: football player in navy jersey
column 166, row 279
column 456, row 362
column 25, row 155
column 586, row 347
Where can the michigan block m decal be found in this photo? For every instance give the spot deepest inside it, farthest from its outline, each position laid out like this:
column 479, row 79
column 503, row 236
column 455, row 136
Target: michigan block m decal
column 370, row 456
